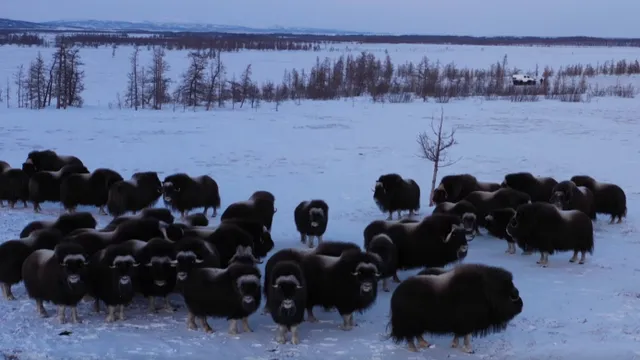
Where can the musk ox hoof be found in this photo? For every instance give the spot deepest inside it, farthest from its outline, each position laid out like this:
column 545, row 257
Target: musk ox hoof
column 280, row 339
column 345, row 327
column 412, row 347
column 467, row 350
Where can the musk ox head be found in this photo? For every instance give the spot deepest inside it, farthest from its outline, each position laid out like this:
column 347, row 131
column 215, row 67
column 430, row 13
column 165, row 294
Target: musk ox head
column 526, row 219
column 367, row 274
column 162, row 270
column 469, row 224
column 248, row 290
column 170, row 191
column 185, row 262
column 73, row 264
column 440, row 194
column 317, row 217
column 497, row 220
column 456, row 241
column 264, row 244
column 562, row 194
column 288, row 288
column 123, row 270
column 501, row 294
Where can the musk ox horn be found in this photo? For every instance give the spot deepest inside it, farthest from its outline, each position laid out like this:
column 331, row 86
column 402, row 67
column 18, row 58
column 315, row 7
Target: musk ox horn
column 198, row 261
column 148, row 264
column 175, row 262
column 355, row 273
column 136, row 264
column 275, row 210
column 112, row 266
column 275, row 286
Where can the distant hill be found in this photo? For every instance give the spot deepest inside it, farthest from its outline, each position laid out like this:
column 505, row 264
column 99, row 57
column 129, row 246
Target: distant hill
column 148, row 26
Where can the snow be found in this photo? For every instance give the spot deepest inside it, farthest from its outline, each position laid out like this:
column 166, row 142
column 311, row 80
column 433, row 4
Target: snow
column 335, row 151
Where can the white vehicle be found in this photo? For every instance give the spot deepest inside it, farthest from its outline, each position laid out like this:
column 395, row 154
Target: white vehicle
column 519, row 79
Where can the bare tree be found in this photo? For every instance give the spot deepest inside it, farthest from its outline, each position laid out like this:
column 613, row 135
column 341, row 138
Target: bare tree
column 20, row 80
column 434, row 148
column 214, row 79
column 7, row 94
column 68, row 78
column 193, row 87
column 246, row 85
column 158, row 80
column 132, row 95
column 37, row 83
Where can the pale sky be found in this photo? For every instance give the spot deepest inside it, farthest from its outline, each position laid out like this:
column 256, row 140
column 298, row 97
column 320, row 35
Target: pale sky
column 604, row 18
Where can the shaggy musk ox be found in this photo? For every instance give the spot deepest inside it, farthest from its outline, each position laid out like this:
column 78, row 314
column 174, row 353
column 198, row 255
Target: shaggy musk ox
column 287, row 295
column 259, row 207
column 568, row 196
column 141, row 191
column 88, row 189
column 65, row 223
column 463, row 209
column 453, row 188
column 437, row 240
column 58, row 276
column 14, row 185
column 160, row 214
column 311, row 218
column 45, row 185
column 543, row 227
column 538, row 188
column 485, row 201
column 113, row 277
column 158, row 272
column 48, row 160
column 392, row 194
column 609, row 198
column 14, row 252
column 496, row 223
column 232, row 293
column 184, row 193
column 470, row 299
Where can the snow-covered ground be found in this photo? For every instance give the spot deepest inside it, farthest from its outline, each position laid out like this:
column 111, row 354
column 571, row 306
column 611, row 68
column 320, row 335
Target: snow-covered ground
column 335, row 151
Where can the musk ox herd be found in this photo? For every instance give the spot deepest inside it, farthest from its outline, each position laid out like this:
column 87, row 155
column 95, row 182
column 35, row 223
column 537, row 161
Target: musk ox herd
column 145, row 252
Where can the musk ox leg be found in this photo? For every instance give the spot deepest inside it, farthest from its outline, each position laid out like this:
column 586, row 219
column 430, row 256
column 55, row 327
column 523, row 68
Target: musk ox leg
column 347, row 322
column 310, row 317
column 74, row 315
column 574, row 258
column 396, row 279
column 245, row 325
column 61, row 314
column 167, row 307
column 233, row 327
column 411, row 346
column 96, row 305
column 385, row 285
column 390, row 217
column 6, row 292
column 310, row 242
column 544, row 259
column 583, row 256
column 1, row 203
column 422, row 343
column 191, row 321
column 319, row 239
column 295, row 340
column 204, row 212
column 40, row 309
column 526, row 251
column 265, row 310
column 303, row 238
column 101, row 210
column 36, row 207
column 467, row 344
column 25, row 204
column 280, row 334
column 511, row 248
column 152, row 304
column 121, row 313
column 205, row 325
column 12, row 205
column 215, row 212
column 111, row 314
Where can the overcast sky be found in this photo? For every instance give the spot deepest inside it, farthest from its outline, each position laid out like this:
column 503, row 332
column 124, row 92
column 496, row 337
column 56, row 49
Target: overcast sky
column 608, row 18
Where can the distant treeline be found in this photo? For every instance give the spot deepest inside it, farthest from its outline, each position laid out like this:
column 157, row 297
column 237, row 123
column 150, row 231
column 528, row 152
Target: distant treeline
column 283, row 41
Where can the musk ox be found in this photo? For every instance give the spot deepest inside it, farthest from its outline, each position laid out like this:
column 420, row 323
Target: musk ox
column 135, row 229
column 465, row 210
column 259, row 207
column 545, row 228
column 227, row 237
column 567, row 196
column 48, row 160
column 141, row 191
column 470, row 299
column 45, row 185
column 65, row 223
column 194, row 253
column 14, row 252
column 539, row 188
column 437, row 240
column 348, row 283
column 14, row 185
column 196, row 219
column 496, row 222
column 184, row 193
column 485, row 201
column 287, row 296
column 88, row 189
column 160, row 214
column 113, row 277
column 609, row 198
column 311, row 218
column 453, row 188
column 233, row 293
column 158, row 272
column 58, row 276
column 262, row 240
column 392, row 194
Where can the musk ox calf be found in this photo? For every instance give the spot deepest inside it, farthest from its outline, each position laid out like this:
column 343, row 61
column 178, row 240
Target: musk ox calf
column 58, row 276
column 470, row 299
column 88, row 189
column 437, row 240
column 485, row 201
column 184, row 193
column 48, row 160
column 311, row 218
column 45, row 185
column 545, row 228
column 160, row 214
column 260, row 207
column 233, row 293
column 287, row 296
column 463, row 209
column 14, row 252
column 496, row 223
column 141, row 191
column 568, row 196
column 65, row 223
column 609, row 198
column 453, row 188
column 538, row 188
column 392, row 194
column 14, row 185
column 113, row 277
column 158, row 272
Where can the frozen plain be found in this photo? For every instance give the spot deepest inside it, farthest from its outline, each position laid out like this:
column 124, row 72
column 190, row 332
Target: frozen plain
column 335, row 151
